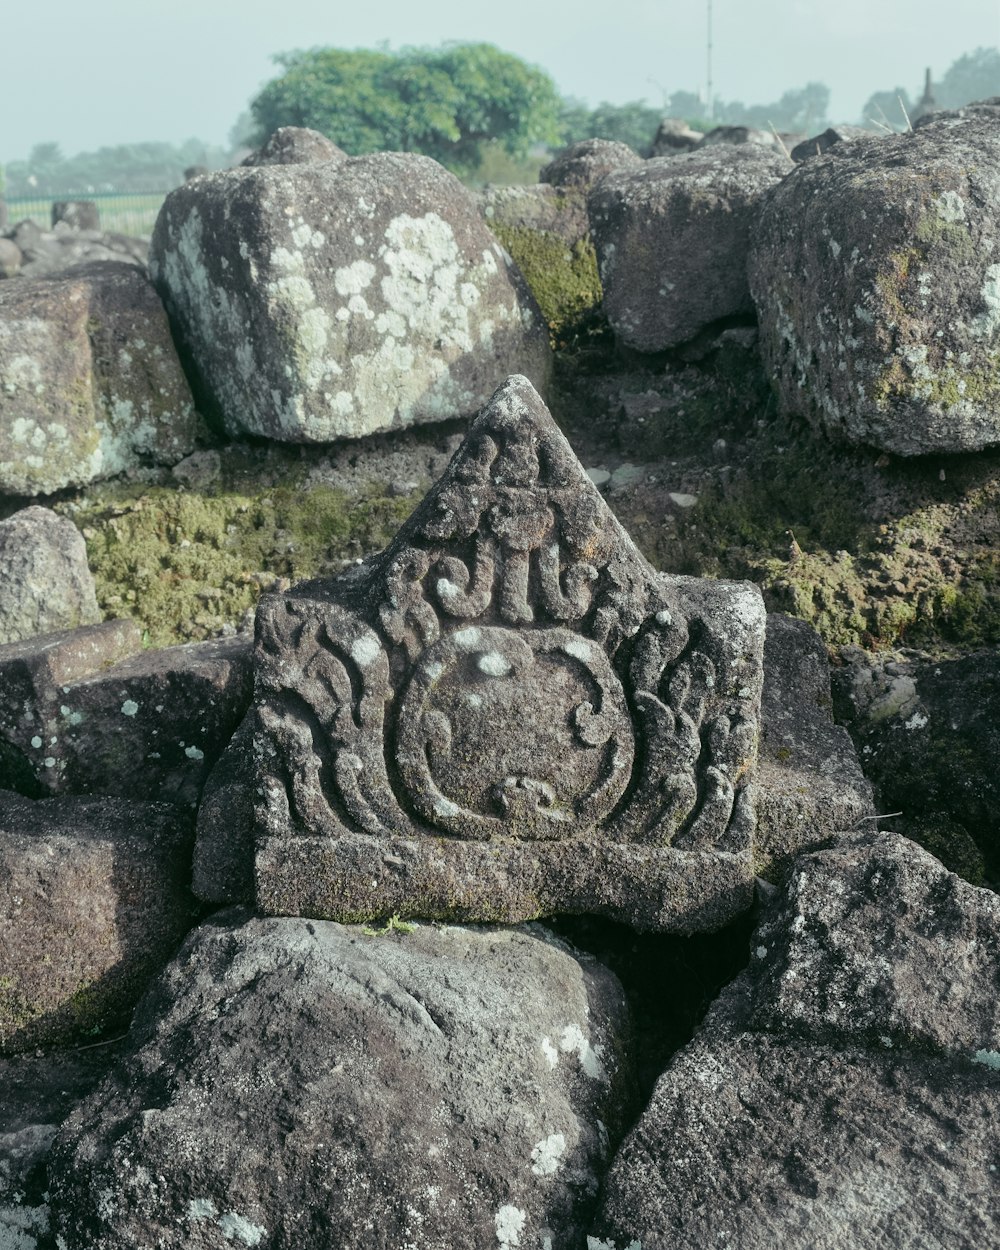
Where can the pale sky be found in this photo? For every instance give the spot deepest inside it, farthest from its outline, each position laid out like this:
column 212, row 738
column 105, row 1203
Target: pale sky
column 90, row 73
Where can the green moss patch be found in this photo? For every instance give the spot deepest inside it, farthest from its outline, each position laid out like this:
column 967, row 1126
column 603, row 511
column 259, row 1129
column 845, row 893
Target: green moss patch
column 563, row 277
column 186, row 565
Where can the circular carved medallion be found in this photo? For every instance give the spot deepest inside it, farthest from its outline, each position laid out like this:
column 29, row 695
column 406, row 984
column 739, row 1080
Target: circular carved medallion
column 520, row 733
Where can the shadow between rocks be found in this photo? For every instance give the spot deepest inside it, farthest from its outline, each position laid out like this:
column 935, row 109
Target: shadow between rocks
column 670, row 982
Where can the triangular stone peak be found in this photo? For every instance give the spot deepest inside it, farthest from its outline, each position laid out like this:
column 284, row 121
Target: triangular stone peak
column 508, row 713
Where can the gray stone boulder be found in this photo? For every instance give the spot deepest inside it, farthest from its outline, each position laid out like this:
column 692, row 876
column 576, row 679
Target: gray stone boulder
column 45, row 583
column 672, row 240
column 77, row 214
column 989, row 108
column 877, row 293
column 306, row 1084
column 325, row 300
column 93, row 901
column 55, row 251
column 810, row 786
column 929, row 732
column 294, row 145
column 674, row 135
column 90, row 382
column 148, row 725
column 737, row 136
column 582, row 164
column 11, row 258
column 816, row 145
column 845, row 1090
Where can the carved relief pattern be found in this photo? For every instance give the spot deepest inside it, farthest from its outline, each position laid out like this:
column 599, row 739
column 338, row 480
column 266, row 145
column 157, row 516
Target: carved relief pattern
column 509, row 667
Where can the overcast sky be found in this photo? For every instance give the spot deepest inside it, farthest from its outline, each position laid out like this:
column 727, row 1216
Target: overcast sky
column 90, row 73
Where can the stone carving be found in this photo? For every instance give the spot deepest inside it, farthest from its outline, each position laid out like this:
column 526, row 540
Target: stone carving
column 508, row 712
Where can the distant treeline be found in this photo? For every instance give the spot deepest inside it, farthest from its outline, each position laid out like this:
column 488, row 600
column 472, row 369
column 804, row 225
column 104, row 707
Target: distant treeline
column 461, row 104
column 126, row 167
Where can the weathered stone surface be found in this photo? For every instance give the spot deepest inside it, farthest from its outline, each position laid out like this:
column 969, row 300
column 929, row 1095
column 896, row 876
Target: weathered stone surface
column 552, row 209
column 810, row 783
column 508, row 713
column 49, row 252
column 222, row 871
column 929, row 733
column 876, row 940
column 294, row 145
column 325, row 300
column 672, row 241
column 45, row 584
column 77, row 214
column 150, row 726
column 11, row 258
column 853, row 1135
column 874, row 281
column 738, row 136
column 816, row 145
column 989, row 108
column 37, row 1091
column 582, row 164
column 90, row 381
column 305, row 1084
column 93, row 900
column 674, row 135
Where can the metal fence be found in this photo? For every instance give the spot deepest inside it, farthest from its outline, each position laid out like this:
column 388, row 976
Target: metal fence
column 125, row 212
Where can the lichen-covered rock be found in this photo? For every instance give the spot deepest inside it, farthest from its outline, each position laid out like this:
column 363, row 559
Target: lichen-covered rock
column 149, row 726
column 49, row 252
column 582, row 164
column 325, row 301
column 93, row 900
column 845, row 1090
column 878, row 294
column 306, row 1084
column 90, row 383
column 294, row 145
column 672, row 240
column 45, row 584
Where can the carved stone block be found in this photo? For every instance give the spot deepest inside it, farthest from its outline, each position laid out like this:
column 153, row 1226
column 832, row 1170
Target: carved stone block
column 508, row 713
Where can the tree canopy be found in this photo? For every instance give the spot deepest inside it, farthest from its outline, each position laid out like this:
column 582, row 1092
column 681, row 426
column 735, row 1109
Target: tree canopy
column 443, row 102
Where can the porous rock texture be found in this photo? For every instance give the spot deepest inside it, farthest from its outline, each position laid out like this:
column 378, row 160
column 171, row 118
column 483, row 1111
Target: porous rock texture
column 297, row 1084
column 929, row 733
column 148, row 725
column 582, row 164
column 809, row 781
column 323, row 301
column 90, row 380
column 672, row 239
column 93, row 901
column 295, row 145
column 45, row 584
column 845, row 1090
column 878, row 291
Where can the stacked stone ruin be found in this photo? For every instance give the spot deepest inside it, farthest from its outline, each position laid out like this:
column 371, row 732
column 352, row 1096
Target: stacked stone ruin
column 327, row 865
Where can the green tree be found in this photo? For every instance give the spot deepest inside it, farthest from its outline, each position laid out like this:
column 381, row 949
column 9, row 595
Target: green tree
column 974, row 76
column 446, row 102
column 883, row 109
